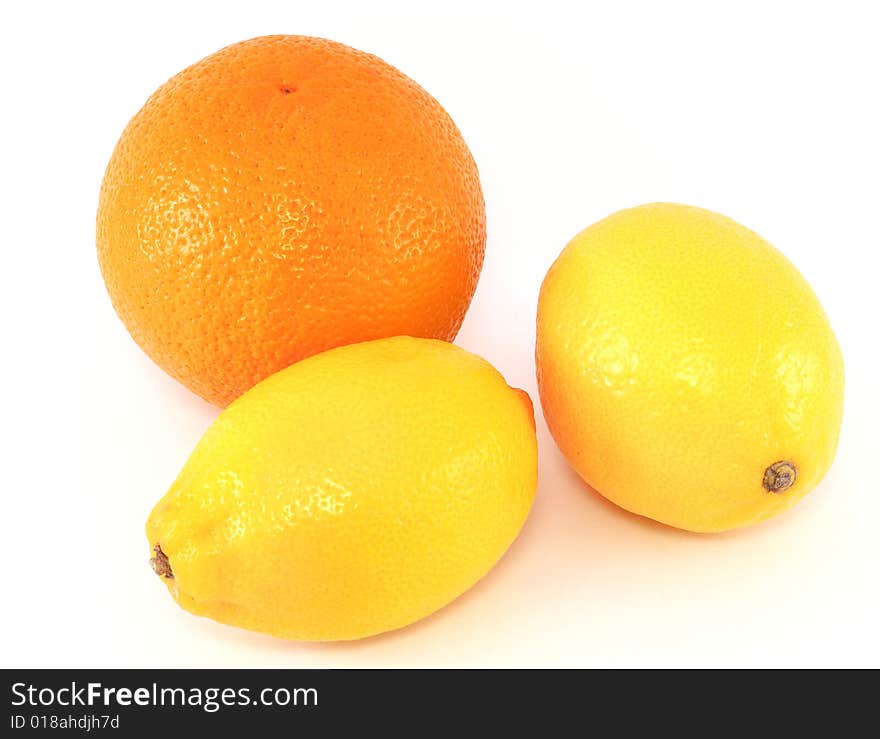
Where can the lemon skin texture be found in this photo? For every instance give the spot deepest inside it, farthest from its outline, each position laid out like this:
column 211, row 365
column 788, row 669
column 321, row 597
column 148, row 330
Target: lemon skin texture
column 686, row 369
column 352, row 493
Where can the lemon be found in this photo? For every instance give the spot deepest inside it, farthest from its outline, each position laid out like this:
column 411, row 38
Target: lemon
column 686, row 369
column 354, row 492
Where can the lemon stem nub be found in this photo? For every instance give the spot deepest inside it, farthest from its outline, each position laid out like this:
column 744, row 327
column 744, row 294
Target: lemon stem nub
column 778, row 477
column 160, row 564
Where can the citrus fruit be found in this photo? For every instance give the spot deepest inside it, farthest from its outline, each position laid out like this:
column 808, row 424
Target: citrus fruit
column 281, row 197
column 686, row 369
column 352, row 493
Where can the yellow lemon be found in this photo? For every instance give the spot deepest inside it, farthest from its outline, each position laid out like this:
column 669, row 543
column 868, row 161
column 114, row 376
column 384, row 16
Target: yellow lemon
column 686, row 369
column 352, row 493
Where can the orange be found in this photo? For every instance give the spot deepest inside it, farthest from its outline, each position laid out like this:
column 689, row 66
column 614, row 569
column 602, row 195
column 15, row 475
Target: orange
column 281, row 197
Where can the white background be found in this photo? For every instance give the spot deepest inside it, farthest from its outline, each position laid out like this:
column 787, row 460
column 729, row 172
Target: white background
column 767, row 112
